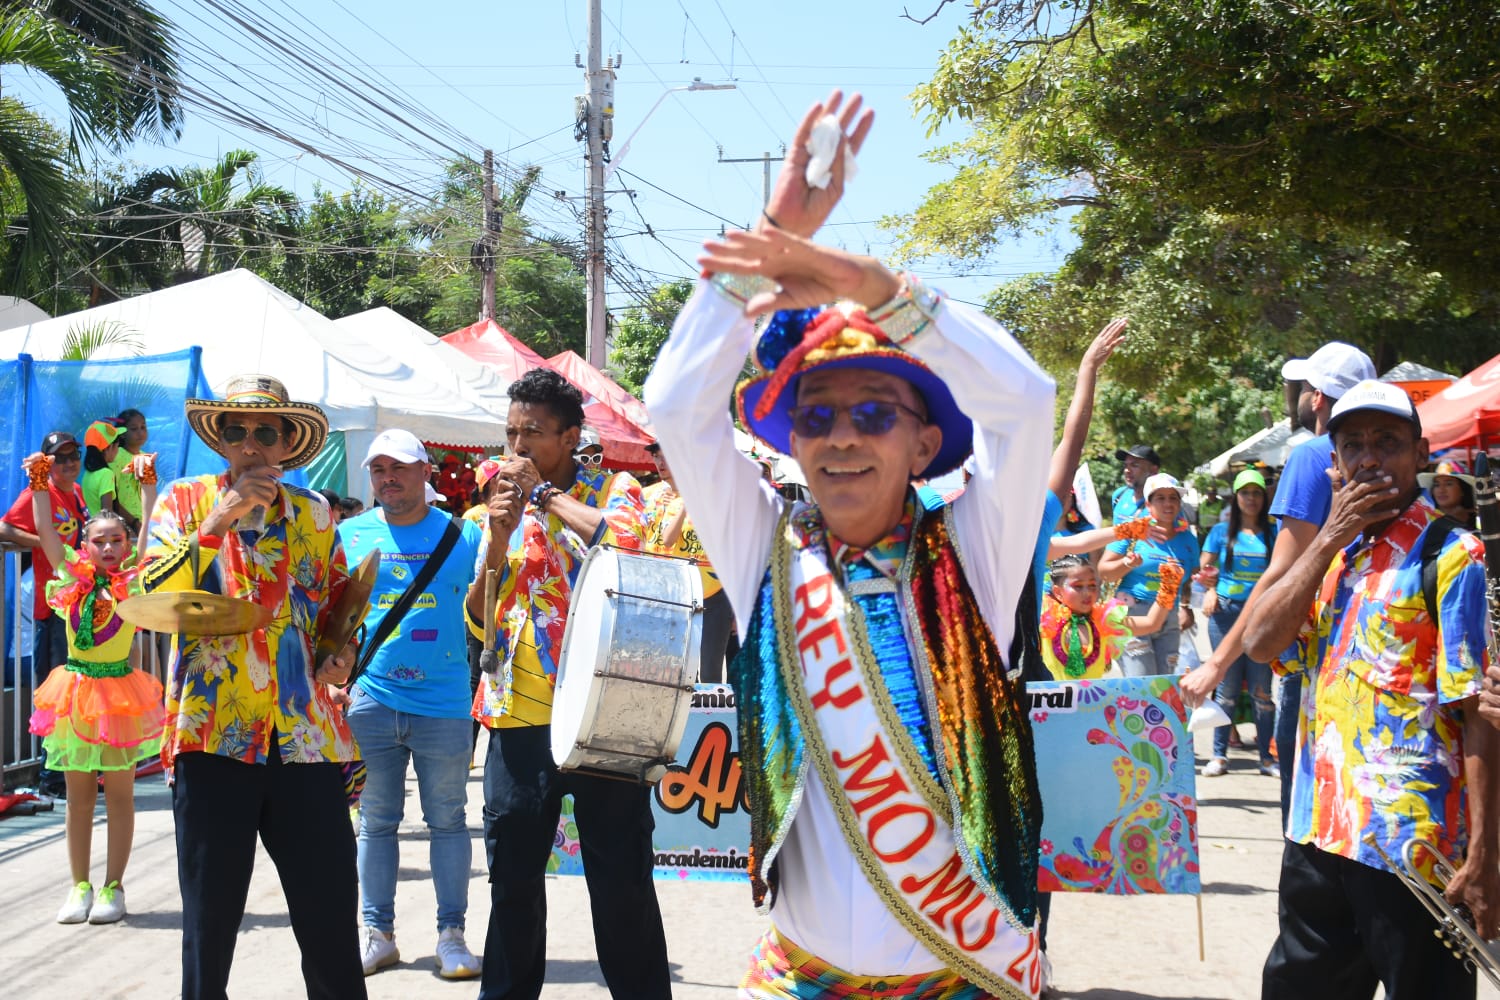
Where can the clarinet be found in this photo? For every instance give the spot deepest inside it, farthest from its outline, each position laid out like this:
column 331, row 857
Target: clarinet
column 1487, row 507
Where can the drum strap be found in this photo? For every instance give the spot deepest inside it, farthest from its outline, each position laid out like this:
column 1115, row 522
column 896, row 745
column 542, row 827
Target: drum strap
column 392, row 618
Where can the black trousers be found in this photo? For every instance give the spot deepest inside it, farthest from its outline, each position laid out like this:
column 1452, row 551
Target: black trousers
column 523, row 793
column 718, row 622
column 1346, row 927
column 300, row 814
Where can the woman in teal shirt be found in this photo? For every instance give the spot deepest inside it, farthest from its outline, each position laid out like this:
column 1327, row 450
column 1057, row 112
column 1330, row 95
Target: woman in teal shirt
column 1137, row 565
column 1240, row 549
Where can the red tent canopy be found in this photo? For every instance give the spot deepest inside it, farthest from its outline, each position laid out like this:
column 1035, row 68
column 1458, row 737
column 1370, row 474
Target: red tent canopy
column 489, row 343
column 1467, row 413
column 599, row 385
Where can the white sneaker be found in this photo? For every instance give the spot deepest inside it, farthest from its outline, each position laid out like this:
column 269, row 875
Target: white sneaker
column 1216, row 767
column 76, row 909
column 377, row 950
column 454, row 959
column 109, row 906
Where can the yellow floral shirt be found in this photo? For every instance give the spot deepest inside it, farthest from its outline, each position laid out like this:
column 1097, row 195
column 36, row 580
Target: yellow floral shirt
column 229, row 693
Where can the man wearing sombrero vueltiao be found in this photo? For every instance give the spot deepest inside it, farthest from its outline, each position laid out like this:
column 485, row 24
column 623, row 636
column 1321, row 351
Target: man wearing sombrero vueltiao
column 883, row 734
column 255, row 740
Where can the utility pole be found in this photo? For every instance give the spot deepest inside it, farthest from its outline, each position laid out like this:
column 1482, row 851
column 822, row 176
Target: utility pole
column 764, row 159
column 598, row 114
column 484, row 250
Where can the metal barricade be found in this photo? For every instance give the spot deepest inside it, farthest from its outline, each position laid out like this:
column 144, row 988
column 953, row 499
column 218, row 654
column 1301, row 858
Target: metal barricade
column 20, row 752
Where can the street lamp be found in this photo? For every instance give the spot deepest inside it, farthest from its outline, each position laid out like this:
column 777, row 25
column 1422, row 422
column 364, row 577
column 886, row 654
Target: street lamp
column 697, row 84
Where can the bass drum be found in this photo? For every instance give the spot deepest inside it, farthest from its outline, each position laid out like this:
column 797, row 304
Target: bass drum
column 629, row 663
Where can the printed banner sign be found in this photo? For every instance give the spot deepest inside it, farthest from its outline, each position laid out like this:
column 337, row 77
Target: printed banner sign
column 702, row 822
column 1115, row 765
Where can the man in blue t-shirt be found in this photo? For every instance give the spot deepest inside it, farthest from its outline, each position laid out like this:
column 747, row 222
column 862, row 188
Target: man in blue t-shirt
column 1303, row 497
column 1129, row 501
column 411, row 705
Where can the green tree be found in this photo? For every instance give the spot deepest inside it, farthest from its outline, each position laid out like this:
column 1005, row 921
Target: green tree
column 642, row 331
column 115, row 66
column 228, row 215
column 1047, row 89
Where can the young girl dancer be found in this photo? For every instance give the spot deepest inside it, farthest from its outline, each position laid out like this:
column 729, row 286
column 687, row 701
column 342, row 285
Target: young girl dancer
column 1080, row 637
column 97, row 713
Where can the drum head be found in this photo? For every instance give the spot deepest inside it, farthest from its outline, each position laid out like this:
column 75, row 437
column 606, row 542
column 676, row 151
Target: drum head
column 585, row 647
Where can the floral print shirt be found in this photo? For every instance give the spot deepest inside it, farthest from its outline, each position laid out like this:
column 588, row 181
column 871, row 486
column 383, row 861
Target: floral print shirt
column 1380, row 735
column 662, row 505
column 535, row 590
column 228, row 694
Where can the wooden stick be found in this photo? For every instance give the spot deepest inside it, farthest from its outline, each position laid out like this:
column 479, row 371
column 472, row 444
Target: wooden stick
column 1199, row 899
column 491, row 585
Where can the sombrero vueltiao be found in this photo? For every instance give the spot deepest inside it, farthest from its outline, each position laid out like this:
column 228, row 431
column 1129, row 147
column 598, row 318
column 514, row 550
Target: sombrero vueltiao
column 796, row 342
column 1447, row 467
column 261, row 394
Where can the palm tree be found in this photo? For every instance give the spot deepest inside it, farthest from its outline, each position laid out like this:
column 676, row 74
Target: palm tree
column 115, row 65
column 228, row 211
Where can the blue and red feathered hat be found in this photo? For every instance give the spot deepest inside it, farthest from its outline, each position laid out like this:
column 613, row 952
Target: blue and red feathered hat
column 798, row 341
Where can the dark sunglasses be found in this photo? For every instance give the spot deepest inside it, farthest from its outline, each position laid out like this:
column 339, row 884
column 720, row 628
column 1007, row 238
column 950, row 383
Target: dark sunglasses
column 872, row 418
column 265, row 435
column 67, row 456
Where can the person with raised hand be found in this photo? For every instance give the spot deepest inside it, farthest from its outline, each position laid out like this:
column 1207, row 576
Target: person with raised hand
column 836, row 685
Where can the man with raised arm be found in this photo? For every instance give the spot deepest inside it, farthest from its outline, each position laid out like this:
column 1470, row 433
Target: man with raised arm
column 883, row 730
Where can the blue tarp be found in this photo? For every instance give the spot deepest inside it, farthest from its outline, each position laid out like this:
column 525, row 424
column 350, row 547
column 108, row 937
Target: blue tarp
column 38, row 397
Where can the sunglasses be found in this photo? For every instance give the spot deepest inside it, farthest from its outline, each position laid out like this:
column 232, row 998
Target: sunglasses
column 265, row 435
column 67, row 456
column 592, row 461
column 872, row 418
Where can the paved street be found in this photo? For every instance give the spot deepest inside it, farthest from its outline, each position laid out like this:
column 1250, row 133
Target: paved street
column 1103, row 948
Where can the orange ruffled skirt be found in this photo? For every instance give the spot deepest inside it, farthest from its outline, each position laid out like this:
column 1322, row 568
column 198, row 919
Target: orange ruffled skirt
column 98, row 723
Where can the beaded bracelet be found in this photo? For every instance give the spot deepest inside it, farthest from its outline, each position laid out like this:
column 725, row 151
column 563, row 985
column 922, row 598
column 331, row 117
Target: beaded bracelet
column 907, row 313
column 741, row 288
column 542, row 494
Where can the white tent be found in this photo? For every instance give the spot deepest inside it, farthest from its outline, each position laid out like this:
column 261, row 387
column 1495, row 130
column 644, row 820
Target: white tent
column 1270, row 445
column 394, row 334
column 244, row 324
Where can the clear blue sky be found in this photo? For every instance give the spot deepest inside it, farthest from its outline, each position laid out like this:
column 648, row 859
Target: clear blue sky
column 469, row 75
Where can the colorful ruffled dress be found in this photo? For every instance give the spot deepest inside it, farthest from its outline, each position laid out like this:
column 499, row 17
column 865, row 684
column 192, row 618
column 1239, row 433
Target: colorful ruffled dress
column 96, row 713
column 1077, row 646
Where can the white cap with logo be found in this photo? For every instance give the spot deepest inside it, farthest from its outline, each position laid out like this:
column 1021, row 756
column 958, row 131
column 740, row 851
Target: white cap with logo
column 1333, row 369
column 1161, row 481
column 403, row 446
column 1373, row 396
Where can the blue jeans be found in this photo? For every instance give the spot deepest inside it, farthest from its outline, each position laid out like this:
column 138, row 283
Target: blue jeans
column 1288, row 709
column 1154, row 654
column 1241, row 672
column 440, row 749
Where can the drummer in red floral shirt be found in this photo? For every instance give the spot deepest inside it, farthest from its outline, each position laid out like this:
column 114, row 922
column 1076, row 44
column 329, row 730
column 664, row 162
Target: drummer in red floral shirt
column 553, row 510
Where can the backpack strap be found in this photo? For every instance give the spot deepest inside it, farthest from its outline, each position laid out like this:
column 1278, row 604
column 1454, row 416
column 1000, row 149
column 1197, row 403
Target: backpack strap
column 1433, row 541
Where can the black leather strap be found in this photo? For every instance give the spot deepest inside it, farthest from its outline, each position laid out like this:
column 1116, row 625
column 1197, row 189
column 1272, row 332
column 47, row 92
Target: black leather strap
column 408, row 597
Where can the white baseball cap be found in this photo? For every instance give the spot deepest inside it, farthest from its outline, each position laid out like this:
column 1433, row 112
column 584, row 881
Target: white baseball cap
column 395, row 443
column 1161, row 481
column 1333, row 369
column 432, row 495
column 1380, row 397
column 587, row 438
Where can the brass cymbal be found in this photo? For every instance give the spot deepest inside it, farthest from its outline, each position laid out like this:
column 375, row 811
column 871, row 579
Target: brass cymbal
column 194, row 612
column 346, row 616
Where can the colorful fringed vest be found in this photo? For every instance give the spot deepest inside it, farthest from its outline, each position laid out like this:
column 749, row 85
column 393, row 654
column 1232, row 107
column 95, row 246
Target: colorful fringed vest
column 982, row 728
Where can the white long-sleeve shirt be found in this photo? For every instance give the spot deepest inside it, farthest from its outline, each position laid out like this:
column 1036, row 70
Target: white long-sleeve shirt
column 824, row 902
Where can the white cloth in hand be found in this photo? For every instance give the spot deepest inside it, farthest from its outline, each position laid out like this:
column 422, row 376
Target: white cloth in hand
column 822, row 146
